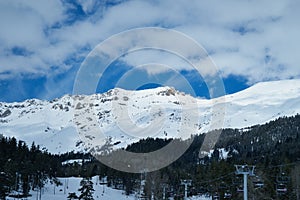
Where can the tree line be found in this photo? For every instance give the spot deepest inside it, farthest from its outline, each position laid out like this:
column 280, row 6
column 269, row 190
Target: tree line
column 272, row 148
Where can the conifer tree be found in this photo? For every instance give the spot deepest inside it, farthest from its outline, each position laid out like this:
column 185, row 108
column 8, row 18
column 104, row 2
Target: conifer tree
column 4, row 185
column 86, row 189
column 72, row 195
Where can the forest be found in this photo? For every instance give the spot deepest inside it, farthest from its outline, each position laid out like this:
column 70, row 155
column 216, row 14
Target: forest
column 272, row 148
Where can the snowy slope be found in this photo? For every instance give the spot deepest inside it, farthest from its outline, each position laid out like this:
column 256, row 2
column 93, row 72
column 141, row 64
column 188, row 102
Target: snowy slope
column 263, row 102
column 120, row 117
column 72, row 184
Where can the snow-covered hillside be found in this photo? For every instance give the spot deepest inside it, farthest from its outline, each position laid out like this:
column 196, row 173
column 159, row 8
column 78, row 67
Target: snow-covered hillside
column 120, row 117
column 72, row 184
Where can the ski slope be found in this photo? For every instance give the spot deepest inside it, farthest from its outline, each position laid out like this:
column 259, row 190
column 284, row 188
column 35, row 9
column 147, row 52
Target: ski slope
column 72, row 184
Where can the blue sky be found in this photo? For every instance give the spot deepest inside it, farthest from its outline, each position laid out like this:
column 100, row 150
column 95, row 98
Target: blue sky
column 43, row 43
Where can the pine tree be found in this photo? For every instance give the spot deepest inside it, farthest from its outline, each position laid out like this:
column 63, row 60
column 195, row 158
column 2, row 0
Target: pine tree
column 86, row 189
column 4, row 185
column 72, row 196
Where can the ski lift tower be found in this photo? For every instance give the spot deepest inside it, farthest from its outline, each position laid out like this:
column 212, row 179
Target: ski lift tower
column 186, row 183
column 164, row 186
column 245, row 170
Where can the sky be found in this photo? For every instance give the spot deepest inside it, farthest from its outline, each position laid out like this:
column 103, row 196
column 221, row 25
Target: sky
column 44, row 43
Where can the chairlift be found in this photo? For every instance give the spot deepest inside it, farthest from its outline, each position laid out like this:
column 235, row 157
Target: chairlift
column 258, row 184
column 281, row 183
column 227, row 194
column 178, row 195
column 103, row 182
column 240, row 188
column 210, row 188
column 237, row 181
column 281, row 188
column 216, row 196
column 223, row 185
column 282, row 179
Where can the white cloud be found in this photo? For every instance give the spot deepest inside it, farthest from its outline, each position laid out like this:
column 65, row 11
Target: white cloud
column 162, row 58
column 22, row 25
column 268, row 28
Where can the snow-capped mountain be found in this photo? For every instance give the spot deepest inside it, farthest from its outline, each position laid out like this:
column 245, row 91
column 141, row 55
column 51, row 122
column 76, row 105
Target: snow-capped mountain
column 120, row 117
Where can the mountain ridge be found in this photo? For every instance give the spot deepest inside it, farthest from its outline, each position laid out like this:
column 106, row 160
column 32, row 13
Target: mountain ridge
column 52, row 123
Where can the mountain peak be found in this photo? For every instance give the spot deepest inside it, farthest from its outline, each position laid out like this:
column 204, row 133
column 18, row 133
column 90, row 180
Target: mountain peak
column 157, row 112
